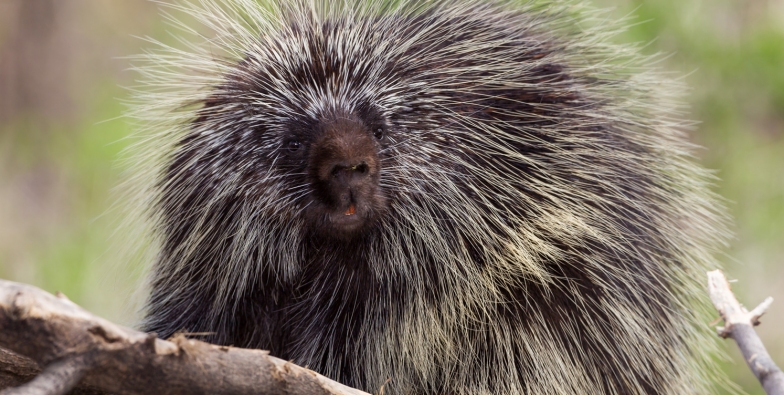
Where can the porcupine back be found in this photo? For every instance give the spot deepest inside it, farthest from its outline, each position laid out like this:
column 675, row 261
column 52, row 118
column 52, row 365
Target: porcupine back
column 536, row 225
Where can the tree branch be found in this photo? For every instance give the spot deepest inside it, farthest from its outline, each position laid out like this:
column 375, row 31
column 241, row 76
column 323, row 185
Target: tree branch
column 58, row 378
column 739, row 324
column 76, row 346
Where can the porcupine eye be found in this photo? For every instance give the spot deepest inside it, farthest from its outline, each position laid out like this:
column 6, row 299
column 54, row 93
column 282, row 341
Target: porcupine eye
column 293, row 145
column 378, row 133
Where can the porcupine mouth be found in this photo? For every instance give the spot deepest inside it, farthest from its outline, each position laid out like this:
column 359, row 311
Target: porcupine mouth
column 347, row 220
column 348, row 216
column 344, row 212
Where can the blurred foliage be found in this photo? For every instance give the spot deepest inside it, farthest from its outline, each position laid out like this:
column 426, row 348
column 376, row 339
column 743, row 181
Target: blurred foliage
column 60, row 143
column 59, row 147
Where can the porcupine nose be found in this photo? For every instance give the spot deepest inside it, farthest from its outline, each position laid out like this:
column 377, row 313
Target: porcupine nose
column 347, row 181
column 346, row 174
column 345, row 161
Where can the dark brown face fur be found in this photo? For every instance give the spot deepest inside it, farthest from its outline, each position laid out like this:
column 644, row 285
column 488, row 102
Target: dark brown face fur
column 343, row 167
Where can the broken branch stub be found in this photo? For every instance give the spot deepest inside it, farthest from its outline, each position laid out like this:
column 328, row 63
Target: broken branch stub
column 739, row 325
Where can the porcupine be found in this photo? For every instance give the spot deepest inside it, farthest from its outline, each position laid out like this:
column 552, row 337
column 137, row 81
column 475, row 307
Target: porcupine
column 465, row 197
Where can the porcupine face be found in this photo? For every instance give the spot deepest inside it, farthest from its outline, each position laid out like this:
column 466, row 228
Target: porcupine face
column 305, row 132
column 332, row 157
column 340, row 156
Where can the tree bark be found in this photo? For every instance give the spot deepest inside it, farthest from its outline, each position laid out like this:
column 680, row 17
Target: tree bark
column 74, row 346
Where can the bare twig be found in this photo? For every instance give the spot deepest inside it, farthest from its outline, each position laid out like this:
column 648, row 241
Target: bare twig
column 739, row 324
column 73, row 344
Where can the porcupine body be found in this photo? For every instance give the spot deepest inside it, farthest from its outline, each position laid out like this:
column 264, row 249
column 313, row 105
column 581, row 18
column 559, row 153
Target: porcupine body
column 447, row 197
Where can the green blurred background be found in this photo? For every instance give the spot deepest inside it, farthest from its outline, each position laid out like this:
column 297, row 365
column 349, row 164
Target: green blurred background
column 62, row 66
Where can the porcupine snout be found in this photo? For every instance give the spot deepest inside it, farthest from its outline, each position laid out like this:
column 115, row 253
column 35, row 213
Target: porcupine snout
column 344, row 165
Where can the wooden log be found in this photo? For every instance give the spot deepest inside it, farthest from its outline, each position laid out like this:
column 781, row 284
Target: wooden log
column 69, row 345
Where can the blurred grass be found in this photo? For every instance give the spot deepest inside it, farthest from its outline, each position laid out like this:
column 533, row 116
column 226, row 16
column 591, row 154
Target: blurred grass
column 71, row 251
column 57, row 174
